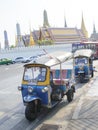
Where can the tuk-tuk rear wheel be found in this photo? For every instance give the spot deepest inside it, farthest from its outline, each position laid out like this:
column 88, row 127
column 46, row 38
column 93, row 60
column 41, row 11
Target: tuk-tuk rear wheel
column 70, row 95
column 30, row 112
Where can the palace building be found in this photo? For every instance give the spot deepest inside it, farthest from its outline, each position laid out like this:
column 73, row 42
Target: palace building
column 59, row 35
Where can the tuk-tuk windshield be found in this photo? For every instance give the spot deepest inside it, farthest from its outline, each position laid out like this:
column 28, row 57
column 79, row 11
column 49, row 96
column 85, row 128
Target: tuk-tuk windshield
column 35, row 73
column 79, row 61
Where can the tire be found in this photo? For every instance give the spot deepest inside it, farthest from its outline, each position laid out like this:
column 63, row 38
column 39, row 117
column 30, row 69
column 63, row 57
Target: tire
column 81, row 79
column 30, row 112
column 73, row 88
column 70, row 95
column 92, row 74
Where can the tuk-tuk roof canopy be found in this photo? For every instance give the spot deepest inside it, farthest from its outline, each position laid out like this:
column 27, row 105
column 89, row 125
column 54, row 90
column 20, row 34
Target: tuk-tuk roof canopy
column 83, row 52
column 35, row 65
column 55, row 58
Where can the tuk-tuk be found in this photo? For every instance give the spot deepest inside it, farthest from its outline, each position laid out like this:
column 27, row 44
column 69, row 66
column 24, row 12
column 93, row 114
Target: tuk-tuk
column 39, row 88
column 83, row 65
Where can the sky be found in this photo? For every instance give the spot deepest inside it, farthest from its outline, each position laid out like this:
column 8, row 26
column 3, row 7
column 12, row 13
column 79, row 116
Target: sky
column 29, row 14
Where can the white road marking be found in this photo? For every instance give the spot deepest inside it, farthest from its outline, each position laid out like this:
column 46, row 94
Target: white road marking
column 78, row 108
column 1, row 113
column 9, row 92
column 6, row 68
column 93, row 91
column 15, row 67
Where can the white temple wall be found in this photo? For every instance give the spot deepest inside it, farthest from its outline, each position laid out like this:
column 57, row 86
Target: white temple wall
column 30, row 51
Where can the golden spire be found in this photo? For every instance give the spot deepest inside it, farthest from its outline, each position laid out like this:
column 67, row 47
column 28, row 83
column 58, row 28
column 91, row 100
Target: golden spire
column 83, row 28
column 31, row 42
column 16, row 41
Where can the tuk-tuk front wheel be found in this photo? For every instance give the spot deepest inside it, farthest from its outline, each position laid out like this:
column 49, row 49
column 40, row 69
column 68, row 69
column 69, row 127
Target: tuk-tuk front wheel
column 70, row 95
column 30, row 112
column 81, row 78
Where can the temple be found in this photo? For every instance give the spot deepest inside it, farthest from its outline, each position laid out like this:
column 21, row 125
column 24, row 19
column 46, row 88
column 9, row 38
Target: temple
column 19, row 39
column 94, row 35
column 45, row 18
column 83, row 28
column 6, row 42
column 31, row 40
column 60, row 35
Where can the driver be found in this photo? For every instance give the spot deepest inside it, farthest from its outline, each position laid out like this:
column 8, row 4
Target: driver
column 41, row 76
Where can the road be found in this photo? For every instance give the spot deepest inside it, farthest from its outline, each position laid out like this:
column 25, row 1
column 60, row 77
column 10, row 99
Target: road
column 80, row 114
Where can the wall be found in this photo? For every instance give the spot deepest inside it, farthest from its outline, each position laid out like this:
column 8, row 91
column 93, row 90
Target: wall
column 33, row 50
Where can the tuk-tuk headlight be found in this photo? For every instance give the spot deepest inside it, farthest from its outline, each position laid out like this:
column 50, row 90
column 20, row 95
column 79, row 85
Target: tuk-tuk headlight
column 30, row 89
column 45, row 89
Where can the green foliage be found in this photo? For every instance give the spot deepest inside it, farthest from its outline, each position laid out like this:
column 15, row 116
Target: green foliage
column 12, row 46
column 45, row 42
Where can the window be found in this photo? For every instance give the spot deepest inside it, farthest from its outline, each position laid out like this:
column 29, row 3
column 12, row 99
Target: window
column 81, row 61
column 35, row 73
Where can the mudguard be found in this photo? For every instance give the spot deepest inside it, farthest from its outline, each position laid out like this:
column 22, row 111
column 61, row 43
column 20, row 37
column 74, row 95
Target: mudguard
column 30, row 98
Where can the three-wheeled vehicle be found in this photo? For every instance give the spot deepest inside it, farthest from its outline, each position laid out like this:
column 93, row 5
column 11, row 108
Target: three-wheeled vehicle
column 83, row 65
column 39, row 88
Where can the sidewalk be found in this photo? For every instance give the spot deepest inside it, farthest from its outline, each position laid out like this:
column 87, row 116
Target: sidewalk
column 85, row 116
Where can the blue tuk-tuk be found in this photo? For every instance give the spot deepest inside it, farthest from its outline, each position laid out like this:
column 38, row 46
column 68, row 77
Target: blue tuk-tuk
column 40, row 88
column 83, row 65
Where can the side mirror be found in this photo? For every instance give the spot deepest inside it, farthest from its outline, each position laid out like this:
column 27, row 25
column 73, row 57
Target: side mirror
column 19, row 88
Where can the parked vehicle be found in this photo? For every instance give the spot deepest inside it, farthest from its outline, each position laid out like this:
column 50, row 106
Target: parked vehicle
column 21, row 60
column 5, row 61
column 33, row 58
column 40, row 88
column 83, row 65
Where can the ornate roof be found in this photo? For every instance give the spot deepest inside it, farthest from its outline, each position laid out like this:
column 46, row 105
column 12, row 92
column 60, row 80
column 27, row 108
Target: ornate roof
column 58, row 35
column 61, row 35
